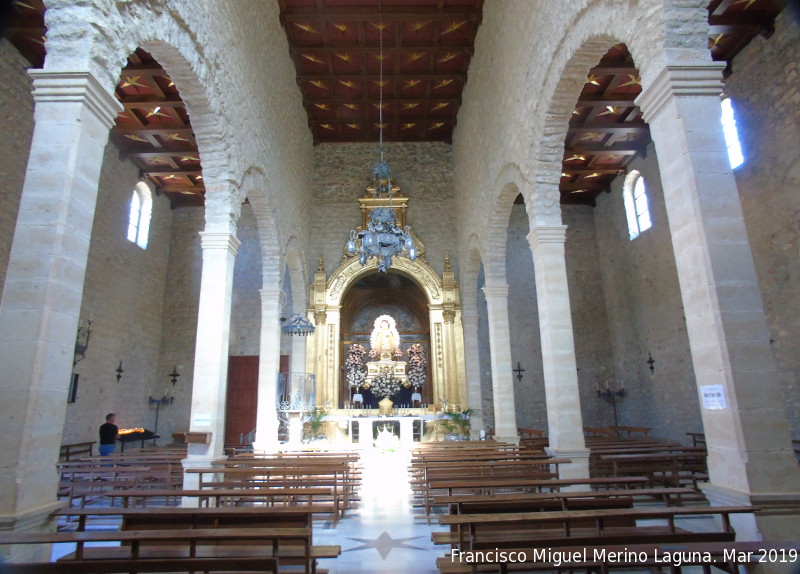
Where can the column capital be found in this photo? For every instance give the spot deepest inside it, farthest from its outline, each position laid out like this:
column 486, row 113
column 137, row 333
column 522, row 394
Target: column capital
column 493, row 291
column 540, row 234
column 215, row 240
column 76, row 87
column 682, row 81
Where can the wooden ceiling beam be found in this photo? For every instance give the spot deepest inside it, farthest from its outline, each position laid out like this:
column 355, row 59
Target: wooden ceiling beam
column 162, row 153
column 588, row 101
column 602, row 127
column 376, row 77
column 181, row 172
column 584, row 172
column 161, row 131
column 145, row 70
column 388, row 14
column 129, row 102
column 601, row 150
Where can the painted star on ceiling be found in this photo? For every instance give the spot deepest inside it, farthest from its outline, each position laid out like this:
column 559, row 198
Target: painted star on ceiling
column 384, row 544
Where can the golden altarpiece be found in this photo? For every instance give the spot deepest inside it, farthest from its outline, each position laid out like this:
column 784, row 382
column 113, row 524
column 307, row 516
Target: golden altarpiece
column 447, row 372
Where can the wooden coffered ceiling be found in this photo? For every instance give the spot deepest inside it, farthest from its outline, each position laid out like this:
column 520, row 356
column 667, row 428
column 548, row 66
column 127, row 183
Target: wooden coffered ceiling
column 427, row 48
column 336, row 49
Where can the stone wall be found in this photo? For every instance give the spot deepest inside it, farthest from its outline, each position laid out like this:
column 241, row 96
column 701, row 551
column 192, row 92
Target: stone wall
column 16, row 114
column 645, row 314
column 765, row 89
column 246, row 302
column 123, row 295
column 424, row 172
column 590, row 322
column 523, row 318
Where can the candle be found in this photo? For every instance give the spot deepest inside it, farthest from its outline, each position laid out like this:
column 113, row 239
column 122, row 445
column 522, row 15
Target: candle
column 607, row 387
column 596, row 386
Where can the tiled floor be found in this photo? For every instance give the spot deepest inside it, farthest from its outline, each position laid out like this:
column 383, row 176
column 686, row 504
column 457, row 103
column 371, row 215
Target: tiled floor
column 384, row 534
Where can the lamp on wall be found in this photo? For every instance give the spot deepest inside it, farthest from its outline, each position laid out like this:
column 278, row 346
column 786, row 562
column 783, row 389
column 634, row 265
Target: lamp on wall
column 174, row 375
column 382, row 239
column 82, row 342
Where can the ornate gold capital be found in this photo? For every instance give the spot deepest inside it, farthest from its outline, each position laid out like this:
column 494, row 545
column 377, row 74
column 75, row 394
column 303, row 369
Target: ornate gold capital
column 320, row 317
column 449, row 315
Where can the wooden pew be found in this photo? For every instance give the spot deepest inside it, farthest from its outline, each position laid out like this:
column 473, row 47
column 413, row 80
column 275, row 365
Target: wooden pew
column 522, row 484
column 583, row 527
column 70, row 451
column 124, row 566
column 726, row 556
column 293, row 523
column 463, row 503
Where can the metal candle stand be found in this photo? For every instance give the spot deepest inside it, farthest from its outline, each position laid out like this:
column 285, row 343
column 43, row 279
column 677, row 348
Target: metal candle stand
column 163, row 401
column 610, row 396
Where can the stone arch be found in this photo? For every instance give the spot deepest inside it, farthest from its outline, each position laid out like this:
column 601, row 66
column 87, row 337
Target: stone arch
column 351, row 271
column 510, row 182
column 444, row 308
column 253, row 187
column 590, row 35
column 293, row 261
column 470, row 259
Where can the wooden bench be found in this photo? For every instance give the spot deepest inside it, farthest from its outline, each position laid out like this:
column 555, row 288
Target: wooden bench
column 462, row 503
column 321, row 499
column 125, row 566
column 583, row 527
column 726, row 556
column 294, row 524
column 73, row 450
column 522, row 484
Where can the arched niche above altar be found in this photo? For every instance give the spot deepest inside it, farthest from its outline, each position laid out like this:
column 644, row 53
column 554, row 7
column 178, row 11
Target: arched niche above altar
column 436, row 305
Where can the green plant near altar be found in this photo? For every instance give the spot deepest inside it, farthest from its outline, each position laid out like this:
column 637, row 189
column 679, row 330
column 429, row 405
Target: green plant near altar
column 385, row 385
column 314, row 422
column 457, row 424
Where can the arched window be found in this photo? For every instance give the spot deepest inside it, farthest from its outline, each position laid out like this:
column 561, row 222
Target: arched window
column 637, row 209
column 731, row 134
column 139, row 219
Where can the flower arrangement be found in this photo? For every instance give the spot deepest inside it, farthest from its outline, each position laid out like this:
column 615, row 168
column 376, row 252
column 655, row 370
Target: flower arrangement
column 356, row 372
column 385, row 385
column 417, row 366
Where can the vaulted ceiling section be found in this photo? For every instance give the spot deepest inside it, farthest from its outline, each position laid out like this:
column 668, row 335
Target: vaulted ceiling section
column 427, row 48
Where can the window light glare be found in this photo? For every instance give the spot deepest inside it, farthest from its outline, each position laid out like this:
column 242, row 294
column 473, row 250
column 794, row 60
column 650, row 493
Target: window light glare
column 731, row 134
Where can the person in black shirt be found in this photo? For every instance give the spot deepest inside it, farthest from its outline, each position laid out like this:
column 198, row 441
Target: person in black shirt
column 108, row 435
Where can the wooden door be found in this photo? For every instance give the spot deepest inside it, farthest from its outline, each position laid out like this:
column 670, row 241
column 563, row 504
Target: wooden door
column 241, row 404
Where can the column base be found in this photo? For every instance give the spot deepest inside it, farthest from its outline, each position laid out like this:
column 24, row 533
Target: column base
column 578, row 468
column 39, row 519
column 776, row 520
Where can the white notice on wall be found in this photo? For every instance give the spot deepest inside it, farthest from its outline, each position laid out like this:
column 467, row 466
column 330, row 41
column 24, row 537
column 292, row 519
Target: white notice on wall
column 201, row 420
column 713, row 397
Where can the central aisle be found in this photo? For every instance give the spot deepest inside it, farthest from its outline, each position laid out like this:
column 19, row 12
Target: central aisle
column 383, row 534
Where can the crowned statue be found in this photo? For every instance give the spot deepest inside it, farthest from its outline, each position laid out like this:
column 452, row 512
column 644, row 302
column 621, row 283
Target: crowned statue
column 385, row 339
column 385, row 350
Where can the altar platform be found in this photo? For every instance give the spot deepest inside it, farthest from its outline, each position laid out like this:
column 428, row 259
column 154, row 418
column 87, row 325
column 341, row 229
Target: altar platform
column 360, row 427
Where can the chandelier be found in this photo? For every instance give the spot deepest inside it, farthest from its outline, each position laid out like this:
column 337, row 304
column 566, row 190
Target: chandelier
column 298, row 325
column 382, row 239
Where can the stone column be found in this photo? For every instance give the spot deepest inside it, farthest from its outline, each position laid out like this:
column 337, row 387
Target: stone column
column 564, row 420
column 750, row 454
column 268, row 368
column 44, row 288
column 469, row 320
column 210, row 379
column 505, row 417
